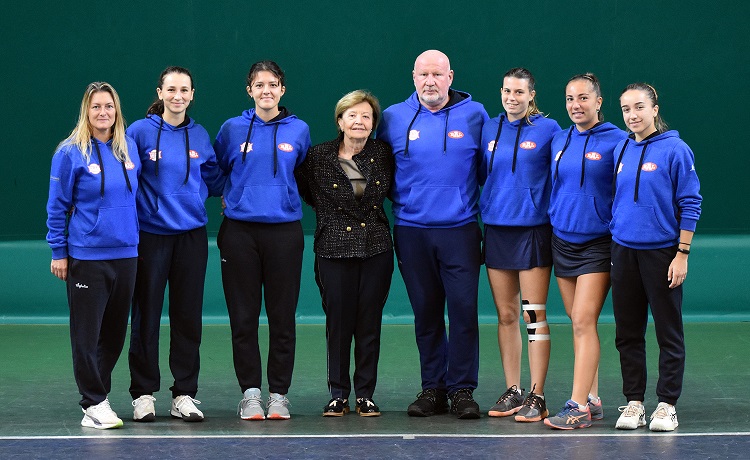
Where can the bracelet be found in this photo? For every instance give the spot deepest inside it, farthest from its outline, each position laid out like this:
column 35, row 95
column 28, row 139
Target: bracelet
column 686, row 244
column 684, row 251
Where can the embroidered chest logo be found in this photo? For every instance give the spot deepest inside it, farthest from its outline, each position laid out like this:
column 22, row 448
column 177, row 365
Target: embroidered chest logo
column 558, row 155
column 648, row 167
column 129, row 165
column 490, row 146
column 455, row 134
column 152, row 155
column 194, row 154
column 284, row 147
column 527, row 145
column 413, row 135
column 619, row 168
column 246, row 147
column 593, row 156
column 94, row 168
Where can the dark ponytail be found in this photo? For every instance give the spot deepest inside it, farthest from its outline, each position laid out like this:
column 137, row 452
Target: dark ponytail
column 659, row 123
column 157, row 107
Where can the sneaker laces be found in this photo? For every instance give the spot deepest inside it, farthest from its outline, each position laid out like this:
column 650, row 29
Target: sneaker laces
column 660, row 412
column 365, row 402
column 430, row 394
column 463, row 394
column 253, row 401
column 631, row 410
column 104, row 405
column 533, row 400
column 569, row 406
column 509, row 393
column 140, row 399
column 283, row 401
column 185, row 401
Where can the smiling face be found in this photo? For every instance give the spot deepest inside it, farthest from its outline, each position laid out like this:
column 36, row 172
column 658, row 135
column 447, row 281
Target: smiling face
column 583, row 104
column 432, row 77
column 356, row 122
column 639, row 113
column 102, row 114
column 516, row 97
column 266, row 90
column 176, row 92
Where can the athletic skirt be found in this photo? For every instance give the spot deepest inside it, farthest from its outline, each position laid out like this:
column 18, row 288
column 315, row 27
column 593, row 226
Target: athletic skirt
column 517, row 248
column 571, row 259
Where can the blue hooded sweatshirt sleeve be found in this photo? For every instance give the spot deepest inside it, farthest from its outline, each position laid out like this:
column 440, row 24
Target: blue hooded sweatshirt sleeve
column 259, row 159
column 175, row 182
column 515, row 170
column 436, row 160
column 91, row 211
column 582, row 171
column 657, row 192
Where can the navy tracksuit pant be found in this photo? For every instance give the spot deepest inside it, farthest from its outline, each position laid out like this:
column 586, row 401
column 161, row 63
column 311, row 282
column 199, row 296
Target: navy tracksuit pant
column 639, row 279
column 179, row 260
column 262, row 261
column 353, row 292
column 439, row 266
column 99, row 296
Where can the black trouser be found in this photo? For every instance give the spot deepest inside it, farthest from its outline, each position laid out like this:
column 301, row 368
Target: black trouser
column 262, row 261
column 639, row 279
column 99, row 296
column 353, row 292
column 180, row 260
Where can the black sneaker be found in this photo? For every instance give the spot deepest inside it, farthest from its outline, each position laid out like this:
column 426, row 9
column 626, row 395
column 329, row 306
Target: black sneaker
column 429, row 402
column 463, row 404
column 366, row 407
column 336, row 407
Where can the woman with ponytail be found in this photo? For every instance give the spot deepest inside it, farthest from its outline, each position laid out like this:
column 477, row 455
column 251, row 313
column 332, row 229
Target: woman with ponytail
column 93, row 234
column 580, row 211
column 656, row 207
column 179, row 172
column 515, row 173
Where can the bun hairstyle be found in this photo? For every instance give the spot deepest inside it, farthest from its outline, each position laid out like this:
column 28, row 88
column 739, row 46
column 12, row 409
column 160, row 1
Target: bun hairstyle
column 659, row 123
column 591, row 78
column 157, row 107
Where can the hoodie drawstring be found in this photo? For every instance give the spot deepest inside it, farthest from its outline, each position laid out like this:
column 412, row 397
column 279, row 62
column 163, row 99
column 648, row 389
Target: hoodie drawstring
column 158, row 140
column 562, row 152
column 445, row 132
column 497, row 139
column 187, row 151
column 408, row 130
column 515, row 147
column 583, row 156
column 638, row 173
column 275, row 149
column 617, row 166
column 247, row 138
column 101, row 169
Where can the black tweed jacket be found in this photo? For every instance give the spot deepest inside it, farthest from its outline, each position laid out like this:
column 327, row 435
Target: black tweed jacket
column 346, row 226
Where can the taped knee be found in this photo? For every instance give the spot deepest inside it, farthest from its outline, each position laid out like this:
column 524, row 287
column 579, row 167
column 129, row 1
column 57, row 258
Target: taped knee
column 532, row 324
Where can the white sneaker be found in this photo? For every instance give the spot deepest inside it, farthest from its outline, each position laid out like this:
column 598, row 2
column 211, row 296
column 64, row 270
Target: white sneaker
column 251, row 406
column 664, row 418
column 143, row 409
column 633, row 416
column 277, row 407
column 183, row 407
column 101, row 417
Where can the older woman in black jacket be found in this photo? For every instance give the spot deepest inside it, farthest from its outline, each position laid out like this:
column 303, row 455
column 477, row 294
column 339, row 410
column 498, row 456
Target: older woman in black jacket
column 346, row 181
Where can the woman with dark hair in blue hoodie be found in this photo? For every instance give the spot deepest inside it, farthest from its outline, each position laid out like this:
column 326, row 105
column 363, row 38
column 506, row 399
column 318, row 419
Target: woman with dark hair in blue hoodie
column 261, row 239
column 179, row 172
column 580, row 210
column 656, row 208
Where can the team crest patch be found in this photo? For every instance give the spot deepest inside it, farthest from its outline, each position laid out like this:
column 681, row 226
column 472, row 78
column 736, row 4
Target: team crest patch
column 648, row 167
column 593, row 156
column 559, row 154
column 619, row 168
column 284, row 147
column 129, row 165
column 194, row 154
column 455, row 134
column 527, row 145
column 490, row 146
column 246, row 147
column 413, row 135
column 94, row 168
column 152, row 155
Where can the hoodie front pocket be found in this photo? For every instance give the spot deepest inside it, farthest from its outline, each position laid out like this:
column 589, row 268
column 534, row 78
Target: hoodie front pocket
column 115, row 228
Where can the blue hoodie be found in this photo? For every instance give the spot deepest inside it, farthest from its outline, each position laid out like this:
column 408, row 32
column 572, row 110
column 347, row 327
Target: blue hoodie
column 515, row 172
column 436, row 156
column 657, row 192
column 176, row 183
column 91, row 210
column 260, row 157
column 582, row 171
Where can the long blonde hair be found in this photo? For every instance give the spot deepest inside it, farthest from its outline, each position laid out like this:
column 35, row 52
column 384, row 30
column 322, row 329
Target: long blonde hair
column 82, row 133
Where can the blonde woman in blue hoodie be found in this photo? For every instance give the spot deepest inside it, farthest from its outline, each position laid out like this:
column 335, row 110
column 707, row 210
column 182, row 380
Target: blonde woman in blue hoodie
column 580, row 211
column 260, row 239
column 93, row 234
column 656, row 208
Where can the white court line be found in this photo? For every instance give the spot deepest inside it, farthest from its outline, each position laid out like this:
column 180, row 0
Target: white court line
column 403, row 436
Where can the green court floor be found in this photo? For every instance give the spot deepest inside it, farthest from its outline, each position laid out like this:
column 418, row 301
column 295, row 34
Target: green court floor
column 39, row 397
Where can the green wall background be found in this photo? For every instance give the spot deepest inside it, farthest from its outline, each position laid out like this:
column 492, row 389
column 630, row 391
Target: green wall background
column 695, row 53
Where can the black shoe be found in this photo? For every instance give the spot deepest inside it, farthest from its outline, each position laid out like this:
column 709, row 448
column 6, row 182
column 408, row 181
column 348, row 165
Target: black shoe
column 429, row 402
column 366, row 407
column 336, row 407
column 463, row 404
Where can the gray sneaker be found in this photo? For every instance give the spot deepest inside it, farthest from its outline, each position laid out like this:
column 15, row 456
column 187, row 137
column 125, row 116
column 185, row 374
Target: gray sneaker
column 277, row 407
column 509, row 402
column 251, row 406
